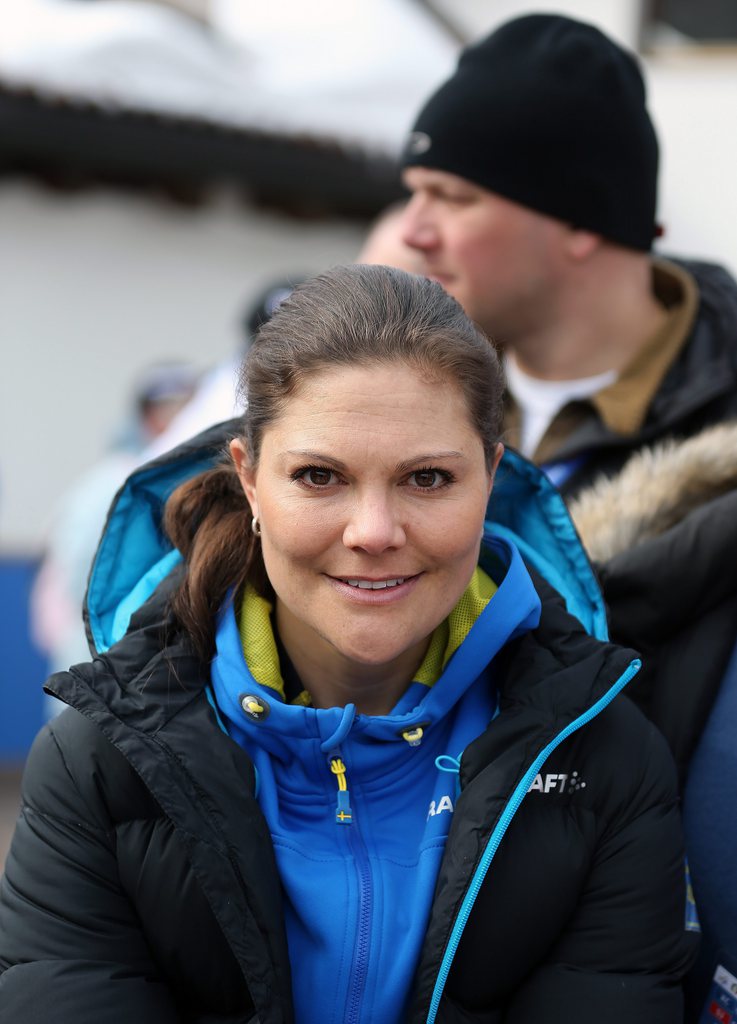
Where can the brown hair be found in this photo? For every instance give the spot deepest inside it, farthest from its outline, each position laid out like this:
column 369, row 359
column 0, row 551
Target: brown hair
column 350, row 316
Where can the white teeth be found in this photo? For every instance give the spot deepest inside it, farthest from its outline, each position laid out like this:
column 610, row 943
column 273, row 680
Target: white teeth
column 378, row 585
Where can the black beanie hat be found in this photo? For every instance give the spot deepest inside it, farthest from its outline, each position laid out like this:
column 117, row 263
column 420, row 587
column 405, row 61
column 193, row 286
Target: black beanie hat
column 550, row 113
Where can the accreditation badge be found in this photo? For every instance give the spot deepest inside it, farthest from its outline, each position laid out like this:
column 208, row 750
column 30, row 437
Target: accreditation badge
column 721, row 1003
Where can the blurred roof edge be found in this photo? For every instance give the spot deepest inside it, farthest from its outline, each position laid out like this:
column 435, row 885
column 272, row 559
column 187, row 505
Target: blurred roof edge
column 72, row 143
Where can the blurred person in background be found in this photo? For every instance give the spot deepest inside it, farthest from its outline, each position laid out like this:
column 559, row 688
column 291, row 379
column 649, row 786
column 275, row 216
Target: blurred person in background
column 384, row 243
column 161, row 391
column 533, row 180
column 215, row 398
column 342, row 755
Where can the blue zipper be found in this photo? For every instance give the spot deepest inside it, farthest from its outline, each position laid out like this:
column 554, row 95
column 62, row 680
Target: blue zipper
column 359, row 973
column 497, row 835
column 344, row 816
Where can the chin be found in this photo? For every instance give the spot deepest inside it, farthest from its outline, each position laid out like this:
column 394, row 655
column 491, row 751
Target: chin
column 368, row 658
column 367, row 654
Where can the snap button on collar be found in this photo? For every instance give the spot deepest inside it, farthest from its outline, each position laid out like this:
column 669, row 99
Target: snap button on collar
column 256, row 708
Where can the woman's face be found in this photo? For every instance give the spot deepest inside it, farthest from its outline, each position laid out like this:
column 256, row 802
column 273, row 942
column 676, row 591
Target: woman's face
column 370, row 491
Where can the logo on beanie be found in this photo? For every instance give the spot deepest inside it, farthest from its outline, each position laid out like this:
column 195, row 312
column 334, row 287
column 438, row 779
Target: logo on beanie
column 418, row 143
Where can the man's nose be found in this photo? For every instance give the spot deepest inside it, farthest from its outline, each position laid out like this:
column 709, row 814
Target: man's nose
column 417, row 228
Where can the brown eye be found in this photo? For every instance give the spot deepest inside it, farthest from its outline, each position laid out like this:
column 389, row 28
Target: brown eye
column 428, row 479
column 315, row 476
column 319, row 477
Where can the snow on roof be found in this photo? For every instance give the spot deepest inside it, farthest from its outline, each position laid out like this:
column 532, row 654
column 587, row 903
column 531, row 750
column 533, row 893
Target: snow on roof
column 350, row 72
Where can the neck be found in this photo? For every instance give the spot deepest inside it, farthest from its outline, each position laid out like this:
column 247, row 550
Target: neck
column 605, row 314
column 334, row 680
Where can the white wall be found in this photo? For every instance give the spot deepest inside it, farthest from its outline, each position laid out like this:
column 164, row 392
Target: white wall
column 619, row 18
column 694, row 105
column 94, row 286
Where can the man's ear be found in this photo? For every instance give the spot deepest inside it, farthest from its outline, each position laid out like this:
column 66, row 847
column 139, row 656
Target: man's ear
column 246, row 472
column 580, row 244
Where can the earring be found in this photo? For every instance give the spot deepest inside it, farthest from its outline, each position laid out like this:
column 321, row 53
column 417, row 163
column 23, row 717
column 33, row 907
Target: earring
column 255, row 527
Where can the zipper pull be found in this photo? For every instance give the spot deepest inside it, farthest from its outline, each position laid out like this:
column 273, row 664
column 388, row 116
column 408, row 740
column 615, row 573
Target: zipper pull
column 343, row 813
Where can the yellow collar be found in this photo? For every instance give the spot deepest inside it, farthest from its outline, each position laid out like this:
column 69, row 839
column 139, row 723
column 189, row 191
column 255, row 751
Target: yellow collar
column 262, row 657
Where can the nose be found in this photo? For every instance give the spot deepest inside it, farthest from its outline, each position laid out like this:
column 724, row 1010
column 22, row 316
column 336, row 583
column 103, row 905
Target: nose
column 373, row 526
column 417, row 228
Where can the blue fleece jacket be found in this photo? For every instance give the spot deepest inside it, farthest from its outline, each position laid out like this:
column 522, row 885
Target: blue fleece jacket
column 359, row 811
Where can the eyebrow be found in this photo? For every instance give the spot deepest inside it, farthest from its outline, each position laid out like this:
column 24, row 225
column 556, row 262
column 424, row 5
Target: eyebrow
column 314, row 456
column 429, row 457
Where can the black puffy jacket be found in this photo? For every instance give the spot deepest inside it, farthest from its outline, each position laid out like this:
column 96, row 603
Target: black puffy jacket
column 663, row 534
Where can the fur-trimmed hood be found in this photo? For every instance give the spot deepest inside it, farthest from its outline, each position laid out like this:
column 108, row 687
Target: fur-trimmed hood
column 655, row 490
column 663, row 535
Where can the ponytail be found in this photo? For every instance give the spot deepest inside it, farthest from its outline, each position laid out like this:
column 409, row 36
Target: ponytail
column 209, row 520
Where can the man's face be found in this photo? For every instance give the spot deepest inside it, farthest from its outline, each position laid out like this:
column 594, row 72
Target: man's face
column 500, row 260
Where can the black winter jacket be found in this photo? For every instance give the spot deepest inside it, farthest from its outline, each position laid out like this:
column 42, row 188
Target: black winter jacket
column 663, row 534
column 141, row 884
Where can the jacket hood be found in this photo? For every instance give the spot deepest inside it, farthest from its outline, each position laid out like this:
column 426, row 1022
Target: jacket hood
column 655, row 491
column 134, row 554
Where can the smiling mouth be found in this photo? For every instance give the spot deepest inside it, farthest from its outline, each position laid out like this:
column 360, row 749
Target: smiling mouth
column 374, row 584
